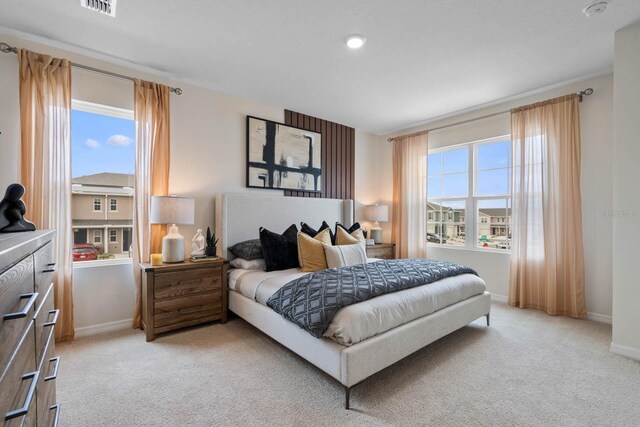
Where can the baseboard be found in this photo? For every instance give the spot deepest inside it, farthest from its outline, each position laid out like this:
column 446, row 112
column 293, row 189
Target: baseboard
column 499, row 298
column 118, row 325
column 597, row 317
column 626, row 351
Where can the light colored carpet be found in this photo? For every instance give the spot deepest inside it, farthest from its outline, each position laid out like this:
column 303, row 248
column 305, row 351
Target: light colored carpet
column 526, row 369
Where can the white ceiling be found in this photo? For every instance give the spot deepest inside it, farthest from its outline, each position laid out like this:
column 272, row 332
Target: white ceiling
column 422, row 59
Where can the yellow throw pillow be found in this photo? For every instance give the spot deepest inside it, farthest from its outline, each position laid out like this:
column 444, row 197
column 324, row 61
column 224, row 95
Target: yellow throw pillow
column 344, row 238
column 311, row 251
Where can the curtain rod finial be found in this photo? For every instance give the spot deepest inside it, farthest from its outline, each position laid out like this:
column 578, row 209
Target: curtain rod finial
column 4, row 47
column 176, row 90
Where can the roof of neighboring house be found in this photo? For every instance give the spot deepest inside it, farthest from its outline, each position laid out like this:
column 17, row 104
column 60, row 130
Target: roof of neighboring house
column 101, row 222
column 105, row 179
column 496, row 211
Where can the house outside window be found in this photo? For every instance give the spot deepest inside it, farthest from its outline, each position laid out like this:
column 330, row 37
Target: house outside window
column 113, row 236
column 97, row 204
column 469, row 195
column 113, row 205
column 97, row 237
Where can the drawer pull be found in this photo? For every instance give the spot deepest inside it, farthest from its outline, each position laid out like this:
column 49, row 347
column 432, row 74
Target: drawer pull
column 55, row 318
column 27, row 401
column 51, row 268
column 53, row 376
column 56, row 408
column 25, row 311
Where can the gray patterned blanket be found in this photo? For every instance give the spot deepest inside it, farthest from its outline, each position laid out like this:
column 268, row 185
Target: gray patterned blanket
column 311, row 301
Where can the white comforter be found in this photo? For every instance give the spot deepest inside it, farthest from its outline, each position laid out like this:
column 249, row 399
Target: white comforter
column 357, row 322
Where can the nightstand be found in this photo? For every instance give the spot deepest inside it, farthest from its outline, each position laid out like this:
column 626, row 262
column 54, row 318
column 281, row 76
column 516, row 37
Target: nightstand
column 175, row 296
column 382, row 250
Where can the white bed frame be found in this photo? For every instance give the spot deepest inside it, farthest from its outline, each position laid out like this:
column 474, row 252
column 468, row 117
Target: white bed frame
column 238, row 217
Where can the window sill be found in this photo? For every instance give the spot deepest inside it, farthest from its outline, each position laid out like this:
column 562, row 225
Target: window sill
column 102, row 263
column 464, row 248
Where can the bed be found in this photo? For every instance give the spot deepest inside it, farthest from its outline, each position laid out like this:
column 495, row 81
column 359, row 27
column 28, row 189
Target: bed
column 350, row 355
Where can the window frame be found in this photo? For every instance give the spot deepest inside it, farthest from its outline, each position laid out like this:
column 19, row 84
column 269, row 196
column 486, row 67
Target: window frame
column 105, row 110
column 113, row 233
column 98, row 236
column 111, row 204
column 471, row 200
column 98, row 201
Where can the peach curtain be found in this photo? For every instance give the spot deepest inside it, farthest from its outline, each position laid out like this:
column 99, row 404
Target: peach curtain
column 45, row 120
column 547, row 262
column 409, row 210
column 151, row 113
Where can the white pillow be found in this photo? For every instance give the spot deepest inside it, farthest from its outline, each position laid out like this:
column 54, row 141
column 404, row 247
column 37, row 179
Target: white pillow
column 345, row 255
column 248, row 264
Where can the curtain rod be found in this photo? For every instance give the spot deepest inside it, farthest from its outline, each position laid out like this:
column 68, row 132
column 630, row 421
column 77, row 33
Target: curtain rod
column 4, row 47
column 586, row 92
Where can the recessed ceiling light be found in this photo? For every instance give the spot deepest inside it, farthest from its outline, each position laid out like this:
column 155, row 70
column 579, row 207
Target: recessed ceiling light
column 596, row 7
column 355, row 41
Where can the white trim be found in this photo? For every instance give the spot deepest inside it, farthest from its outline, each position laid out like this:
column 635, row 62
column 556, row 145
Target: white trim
column 601, row 318
column 626, row 351
column 118, row 325
column 103, row 110
column 499, row 298
column 102, row 263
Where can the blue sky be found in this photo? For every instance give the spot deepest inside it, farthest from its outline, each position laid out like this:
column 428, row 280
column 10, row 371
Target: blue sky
column 448, row 171
column 101, row 144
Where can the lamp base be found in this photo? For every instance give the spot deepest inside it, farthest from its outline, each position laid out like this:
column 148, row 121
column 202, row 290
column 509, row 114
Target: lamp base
column 376, row 234
column 173, row 246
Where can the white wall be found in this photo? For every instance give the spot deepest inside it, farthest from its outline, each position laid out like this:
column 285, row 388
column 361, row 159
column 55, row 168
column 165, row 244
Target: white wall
column 208, row 139
column 626, row 203
column 596, row 130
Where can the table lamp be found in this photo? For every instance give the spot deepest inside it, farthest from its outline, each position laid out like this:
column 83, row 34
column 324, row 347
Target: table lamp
column 172, row 210
column 376, row 213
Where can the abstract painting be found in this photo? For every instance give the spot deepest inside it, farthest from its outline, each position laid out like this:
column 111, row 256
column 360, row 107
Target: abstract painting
column 282, row 157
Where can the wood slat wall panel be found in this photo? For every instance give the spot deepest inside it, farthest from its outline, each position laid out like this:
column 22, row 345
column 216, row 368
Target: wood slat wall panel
column 338, row 156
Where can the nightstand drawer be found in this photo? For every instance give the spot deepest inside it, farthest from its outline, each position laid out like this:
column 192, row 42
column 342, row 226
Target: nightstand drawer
column 184, row 303
column 381, row 251
column 179, row 283
column 193, row 315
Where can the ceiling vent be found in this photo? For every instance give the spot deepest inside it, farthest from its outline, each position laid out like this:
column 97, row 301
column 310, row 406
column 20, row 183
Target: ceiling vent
column 106, row 7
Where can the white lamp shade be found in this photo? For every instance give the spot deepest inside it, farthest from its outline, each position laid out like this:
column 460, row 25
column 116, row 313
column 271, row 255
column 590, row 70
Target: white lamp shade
column 172, row 210
column 376, row 213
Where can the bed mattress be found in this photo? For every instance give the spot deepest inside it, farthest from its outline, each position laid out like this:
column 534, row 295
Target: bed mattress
column 357, row 322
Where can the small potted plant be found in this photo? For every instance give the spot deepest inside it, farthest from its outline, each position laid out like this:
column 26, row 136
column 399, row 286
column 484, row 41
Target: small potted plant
column 210, row 249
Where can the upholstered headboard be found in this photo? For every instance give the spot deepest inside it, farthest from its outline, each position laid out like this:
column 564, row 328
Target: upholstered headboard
column 240, row 215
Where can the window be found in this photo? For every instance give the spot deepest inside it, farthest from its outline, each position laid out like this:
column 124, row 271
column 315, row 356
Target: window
column 103, row 164
column 469, row 188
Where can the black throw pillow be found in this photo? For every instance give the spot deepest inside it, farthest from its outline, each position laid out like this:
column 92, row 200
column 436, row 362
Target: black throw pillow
column 249, row 249
column 280, row 251
column 304, row 227
column 354, row 227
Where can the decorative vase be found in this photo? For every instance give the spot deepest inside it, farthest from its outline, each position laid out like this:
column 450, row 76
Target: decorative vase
column 210, row 251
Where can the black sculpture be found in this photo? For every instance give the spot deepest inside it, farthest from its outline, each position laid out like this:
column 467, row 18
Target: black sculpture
column 12, row 211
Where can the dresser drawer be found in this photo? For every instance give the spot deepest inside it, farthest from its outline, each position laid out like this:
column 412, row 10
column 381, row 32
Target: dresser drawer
column 17, row 306
column 18, row 384
column 45, row 267
column 46, row 318
column 46, row 389
column 179, row 283
column 386, row 252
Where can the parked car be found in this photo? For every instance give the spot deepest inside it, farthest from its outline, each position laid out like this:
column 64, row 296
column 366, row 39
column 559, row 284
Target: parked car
column 432, row 238
column 84, row 252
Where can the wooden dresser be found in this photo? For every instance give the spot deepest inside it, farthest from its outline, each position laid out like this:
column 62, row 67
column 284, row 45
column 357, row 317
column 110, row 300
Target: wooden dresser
column 175, row 296
column 382, row 251
column 28, row 365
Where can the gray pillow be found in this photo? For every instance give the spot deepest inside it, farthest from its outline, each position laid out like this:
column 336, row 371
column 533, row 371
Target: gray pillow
column 249, row 249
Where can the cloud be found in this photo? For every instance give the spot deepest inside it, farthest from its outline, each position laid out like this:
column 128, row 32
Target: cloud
column 119, row 140
column 92, row 143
